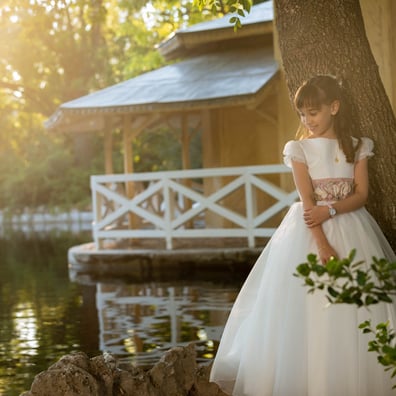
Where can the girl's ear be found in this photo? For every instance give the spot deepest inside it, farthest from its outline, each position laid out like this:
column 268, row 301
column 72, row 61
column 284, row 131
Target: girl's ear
column 334, row 107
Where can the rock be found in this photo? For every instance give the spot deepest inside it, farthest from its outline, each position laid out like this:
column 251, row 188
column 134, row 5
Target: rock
column 176, row 374
column 69, row 376
column 202, row 386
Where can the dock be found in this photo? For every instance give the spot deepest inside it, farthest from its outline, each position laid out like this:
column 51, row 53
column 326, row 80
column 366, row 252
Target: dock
column 148, row 259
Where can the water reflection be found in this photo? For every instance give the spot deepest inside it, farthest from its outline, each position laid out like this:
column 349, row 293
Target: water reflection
column 25, row 325
column 44, row 315
column 139, row 322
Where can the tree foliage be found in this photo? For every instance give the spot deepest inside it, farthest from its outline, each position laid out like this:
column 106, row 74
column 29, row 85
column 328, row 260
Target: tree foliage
column 55, row 51
column 345, row 281
column 238, row 7
column 349, row 282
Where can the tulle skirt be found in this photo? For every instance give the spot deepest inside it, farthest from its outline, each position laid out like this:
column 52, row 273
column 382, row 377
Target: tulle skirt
column 281, row 341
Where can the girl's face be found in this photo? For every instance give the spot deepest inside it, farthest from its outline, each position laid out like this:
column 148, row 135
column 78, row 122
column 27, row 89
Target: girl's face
column 320, row 121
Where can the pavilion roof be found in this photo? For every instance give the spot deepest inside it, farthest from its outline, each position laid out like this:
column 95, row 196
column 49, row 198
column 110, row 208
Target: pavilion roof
column 227, row 78
column 257, row 22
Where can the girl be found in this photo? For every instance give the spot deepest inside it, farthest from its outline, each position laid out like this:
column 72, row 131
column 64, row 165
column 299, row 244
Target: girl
column 279, row 340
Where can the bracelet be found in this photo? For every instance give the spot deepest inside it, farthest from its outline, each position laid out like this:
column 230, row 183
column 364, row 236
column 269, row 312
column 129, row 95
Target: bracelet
column 332, row 211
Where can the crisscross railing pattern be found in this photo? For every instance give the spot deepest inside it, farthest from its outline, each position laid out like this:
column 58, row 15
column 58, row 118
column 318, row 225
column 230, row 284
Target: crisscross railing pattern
column 174, row 204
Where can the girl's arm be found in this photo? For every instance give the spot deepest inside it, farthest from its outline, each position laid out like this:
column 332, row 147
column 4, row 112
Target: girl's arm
column 317, row 215
column 304, row 186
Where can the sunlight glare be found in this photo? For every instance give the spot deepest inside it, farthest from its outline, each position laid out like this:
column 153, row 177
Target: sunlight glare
column 201, row 334
column 129, row 342
column 16, row 76
column 147, row 13
column 50, row 5
column 25, row 324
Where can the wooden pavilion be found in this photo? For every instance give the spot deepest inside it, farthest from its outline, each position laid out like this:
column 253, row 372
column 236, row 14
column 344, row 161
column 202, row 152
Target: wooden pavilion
column 227, row 82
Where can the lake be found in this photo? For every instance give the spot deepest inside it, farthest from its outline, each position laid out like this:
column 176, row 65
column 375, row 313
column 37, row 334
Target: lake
column 44, row 315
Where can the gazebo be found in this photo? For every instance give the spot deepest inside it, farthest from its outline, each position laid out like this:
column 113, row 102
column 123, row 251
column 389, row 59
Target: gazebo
column 226, row 85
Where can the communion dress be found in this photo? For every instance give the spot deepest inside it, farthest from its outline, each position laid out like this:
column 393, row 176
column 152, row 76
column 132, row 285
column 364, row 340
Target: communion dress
column 281, row 341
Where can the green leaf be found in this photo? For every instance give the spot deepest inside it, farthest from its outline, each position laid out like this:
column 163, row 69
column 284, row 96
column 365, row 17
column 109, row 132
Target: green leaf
column 384, row 297
column 382, row 325
column 303, row 269
column 352, row 255
column 361, row 278
column 366, row 323
column 369, row 300
column 334, row 267
column 334, row 293
column 312, row 258
column 319, row 269
column 309, row 282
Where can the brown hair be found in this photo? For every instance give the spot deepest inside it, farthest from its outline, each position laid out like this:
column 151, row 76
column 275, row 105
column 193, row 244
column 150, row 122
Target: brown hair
column 325, row 89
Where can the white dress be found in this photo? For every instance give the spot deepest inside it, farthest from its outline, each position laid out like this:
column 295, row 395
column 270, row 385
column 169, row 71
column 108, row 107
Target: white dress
column 281, row 341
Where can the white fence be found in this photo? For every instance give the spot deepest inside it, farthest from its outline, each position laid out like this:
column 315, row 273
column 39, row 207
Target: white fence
column 199, row 203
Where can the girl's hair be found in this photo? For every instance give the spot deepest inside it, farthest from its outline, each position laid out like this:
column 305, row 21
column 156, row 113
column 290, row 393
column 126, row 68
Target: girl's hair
column 325, row 89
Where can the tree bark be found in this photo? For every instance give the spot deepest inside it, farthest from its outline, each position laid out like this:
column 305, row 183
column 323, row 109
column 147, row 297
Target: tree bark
column 328, row 37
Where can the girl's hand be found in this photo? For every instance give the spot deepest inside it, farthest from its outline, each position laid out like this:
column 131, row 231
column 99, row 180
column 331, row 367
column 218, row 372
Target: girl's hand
column 316, row 215
column 326, row 253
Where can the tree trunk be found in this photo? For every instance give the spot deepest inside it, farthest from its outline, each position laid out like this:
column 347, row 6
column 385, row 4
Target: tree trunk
column 328, row 37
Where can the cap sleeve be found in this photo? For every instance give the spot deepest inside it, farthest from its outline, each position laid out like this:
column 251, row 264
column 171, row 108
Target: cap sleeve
column 293, row 152
column 366, row 149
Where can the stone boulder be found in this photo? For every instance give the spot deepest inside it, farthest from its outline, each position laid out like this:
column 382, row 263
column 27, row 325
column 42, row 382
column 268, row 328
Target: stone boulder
column 175, row 374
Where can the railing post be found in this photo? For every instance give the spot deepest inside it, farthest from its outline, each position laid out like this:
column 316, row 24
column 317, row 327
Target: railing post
column 97, row 213
column 168, row 214
column 250, row 211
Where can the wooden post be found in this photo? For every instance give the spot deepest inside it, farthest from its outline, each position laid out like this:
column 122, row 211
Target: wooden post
column 128, row 166
column 186, row 162
column 131, row 129
column 108, row 147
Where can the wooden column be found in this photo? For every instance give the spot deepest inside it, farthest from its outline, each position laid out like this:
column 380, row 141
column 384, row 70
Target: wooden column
column 186, row 161
column 128, row 136
column 108, row 147
column 131, row 129
column 186, row 139
column 128, row 166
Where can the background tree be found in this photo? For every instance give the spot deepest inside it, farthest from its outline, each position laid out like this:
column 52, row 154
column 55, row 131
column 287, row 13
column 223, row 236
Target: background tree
column 53, row 52
column 322, row 37
column 319, row 37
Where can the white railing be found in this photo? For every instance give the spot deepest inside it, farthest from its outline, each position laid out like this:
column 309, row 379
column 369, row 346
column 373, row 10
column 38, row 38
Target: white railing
column 173, row 204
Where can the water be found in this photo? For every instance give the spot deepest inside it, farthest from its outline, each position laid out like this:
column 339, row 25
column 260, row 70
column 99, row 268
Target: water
column 44, row 315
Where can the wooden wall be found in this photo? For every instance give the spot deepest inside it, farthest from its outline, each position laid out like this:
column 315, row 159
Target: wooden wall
column 380, row 23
